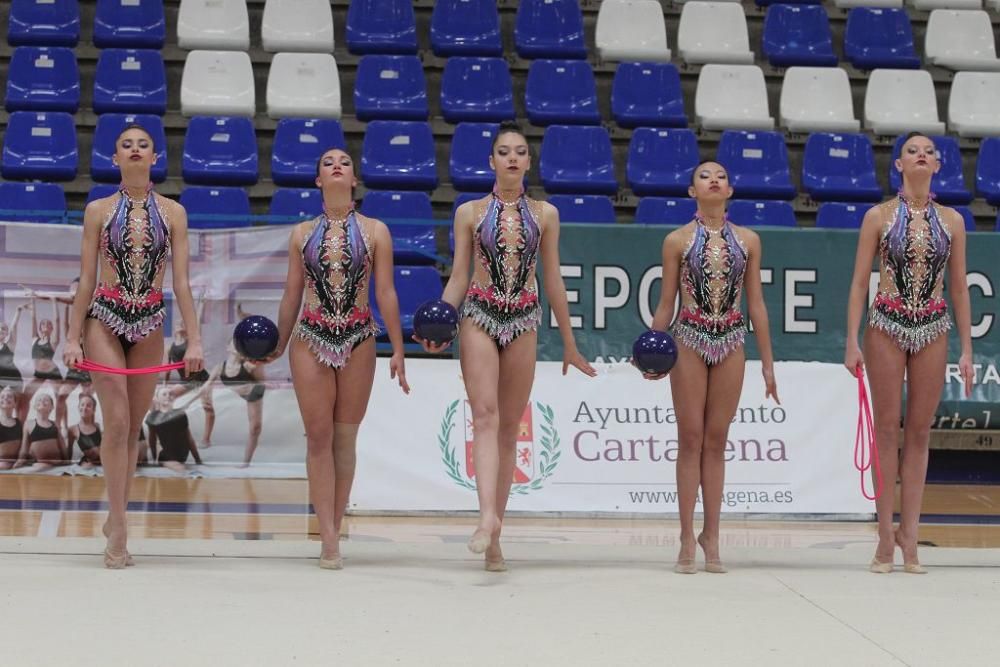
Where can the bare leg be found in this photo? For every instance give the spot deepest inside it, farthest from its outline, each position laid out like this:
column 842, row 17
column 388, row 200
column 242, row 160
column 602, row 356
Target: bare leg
column 725, row 383
column 24, row 402
column 209, row 408
column 925, row 380
column 481, row 370
column 688, row 390
column 255, row 413
column 885, row 364
column 144, row 353
column 316, row 391
column 103, row 347
column 62, row 414
column 355, row 381
column 517, row 375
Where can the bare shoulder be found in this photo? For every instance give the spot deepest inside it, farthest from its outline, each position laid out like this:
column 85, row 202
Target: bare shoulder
column 953, row 219
column 371, row 225
column 749, row 237
column 167, row 205
column 680, row 235
column 99, row 209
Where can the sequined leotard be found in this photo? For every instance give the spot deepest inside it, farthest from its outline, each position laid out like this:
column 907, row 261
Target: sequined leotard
column 135, row 240
column 913, row 253
column 338, row 266
column 502, row 298
column 712, row 270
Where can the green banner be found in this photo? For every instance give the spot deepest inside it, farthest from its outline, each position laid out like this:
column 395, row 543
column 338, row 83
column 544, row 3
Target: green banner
column 612, row 276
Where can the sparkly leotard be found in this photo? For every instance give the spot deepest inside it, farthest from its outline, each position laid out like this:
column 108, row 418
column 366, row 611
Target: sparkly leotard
column 913, row 253
column 135, row 240
column 338, row 258
column 712, row 270
column 502, row 298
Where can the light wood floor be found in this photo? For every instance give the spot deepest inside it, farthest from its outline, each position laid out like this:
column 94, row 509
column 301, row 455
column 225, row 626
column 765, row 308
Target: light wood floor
column 954, row 516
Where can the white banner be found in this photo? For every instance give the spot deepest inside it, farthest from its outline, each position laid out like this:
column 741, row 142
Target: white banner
column 609, row 444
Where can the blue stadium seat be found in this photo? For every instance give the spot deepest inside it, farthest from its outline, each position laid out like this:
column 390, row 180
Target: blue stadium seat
column 549, row 29
column 880, row 38
column 948, row 185
column 216, row 207
column 839, row 167
column 109, row 127
column 43, row 78
column 32, row 202
column 841, row 215
column 292, row 205
column 988, row 170
column 968, row 217
column 381, row 26
column 761, row 213
column 466, row 28
column 100, row 191
column 53, row 23
column 298, row 145
column 139, row 24
column 647, row 94
column 399, row 155
column 577, row 160
column 415, row 285
column 561, row 91
column 665, row 211
column 660, row 161
column 767, row 3
column 390, row 88
column 798, row 35
column 584, row 208
column 220, row 150
column 40, row 146
column 411, row 243
column 469, row 165
column 476, row 89
column 130, row 81
column 757, row 163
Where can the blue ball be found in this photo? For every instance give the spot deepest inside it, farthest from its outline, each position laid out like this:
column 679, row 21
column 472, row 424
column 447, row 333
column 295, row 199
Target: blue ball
column 654, row 352
column 255, row 337
column 436, row 321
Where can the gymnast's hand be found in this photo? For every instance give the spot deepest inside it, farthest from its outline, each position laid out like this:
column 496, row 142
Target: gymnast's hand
column 770, row 386
column 397, row 369
column 967, row 371
column 433, row 348
column 274, row 356
column 576, row 360
column 648, row 376
column 194, row 358
column 72, row 353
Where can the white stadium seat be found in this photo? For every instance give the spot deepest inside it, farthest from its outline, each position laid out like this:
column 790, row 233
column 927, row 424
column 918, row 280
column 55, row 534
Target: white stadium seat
column 714, row 32
column 297, row 25
column 213, row 24
column 218, row 83
column 847, row 4
column 928, row 5
column 901, row 100
column 632, row 30
column 303, row 85
column 961, row 40
column 974, row 105
column 817, row 99
column 732, row 97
